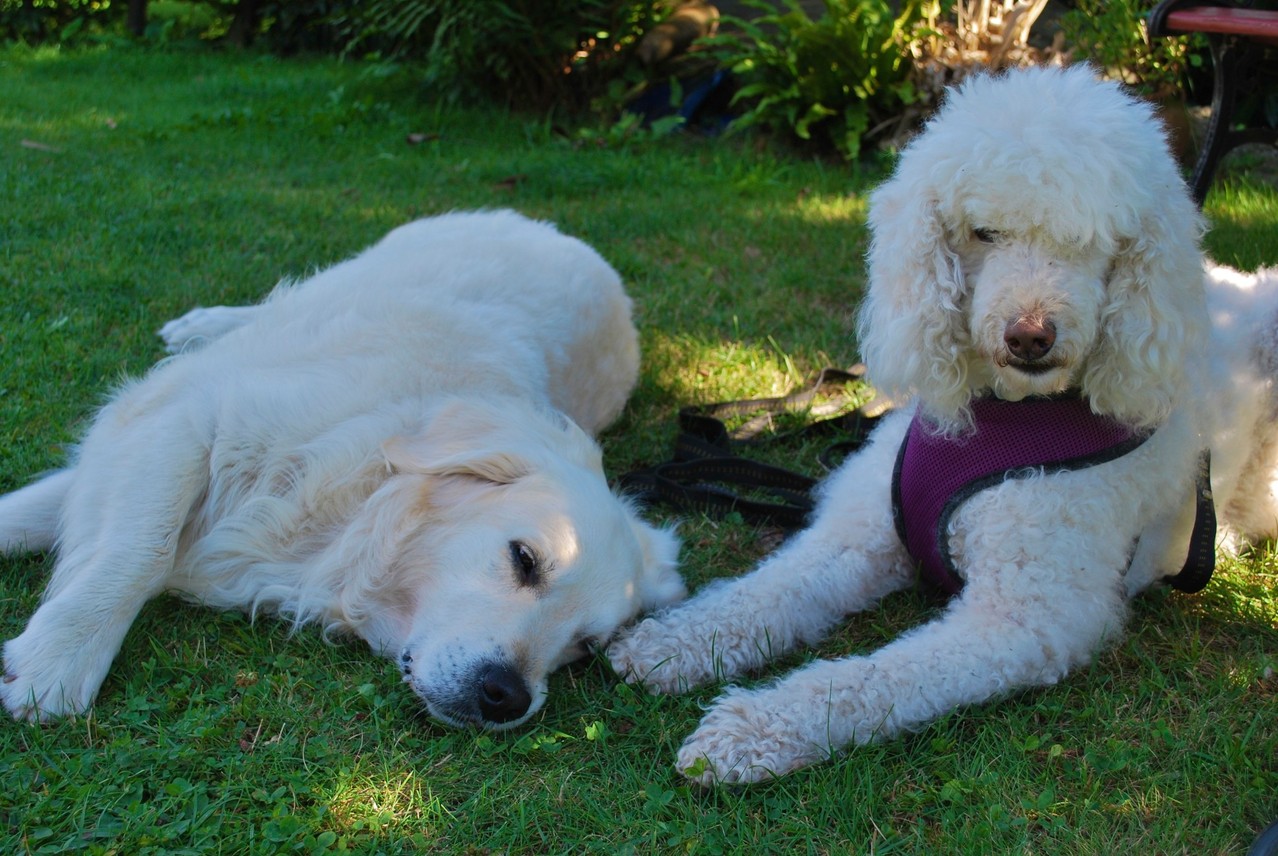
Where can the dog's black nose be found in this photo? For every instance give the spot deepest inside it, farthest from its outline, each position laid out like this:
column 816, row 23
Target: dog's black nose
column 503, row 695
column 1029, row 338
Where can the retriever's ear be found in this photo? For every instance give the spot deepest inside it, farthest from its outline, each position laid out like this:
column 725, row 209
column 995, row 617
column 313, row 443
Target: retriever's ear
column 1155, row 319
column 456, row 442
column 659, row 581
column 910, row 327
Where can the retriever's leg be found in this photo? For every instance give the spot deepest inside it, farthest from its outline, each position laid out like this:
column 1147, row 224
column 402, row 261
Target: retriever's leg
column 202, row 325
column 844, row 563
column 29, row 517
column 126, row 503
column 986, row 643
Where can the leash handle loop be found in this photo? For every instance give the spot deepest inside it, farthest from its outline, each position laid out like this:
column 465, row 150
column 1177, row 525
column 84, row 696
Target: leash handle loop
column 705, row 457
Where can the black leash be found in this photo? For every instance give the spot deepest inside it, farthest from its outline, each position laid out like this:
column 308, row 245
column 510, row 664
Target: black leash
column 707, row 474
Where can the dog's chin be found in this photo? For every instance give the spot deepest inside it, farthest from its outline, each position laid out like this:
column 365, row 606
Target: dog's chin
column 1014, row 382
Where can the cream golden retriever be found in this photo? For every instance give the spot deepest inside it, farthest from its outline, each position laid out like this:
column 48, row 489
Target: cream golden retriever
column 397, row 448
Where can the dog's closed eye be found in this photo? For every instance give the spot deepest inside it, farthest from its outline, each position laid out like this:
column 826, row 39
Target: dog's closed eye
column 985, row 236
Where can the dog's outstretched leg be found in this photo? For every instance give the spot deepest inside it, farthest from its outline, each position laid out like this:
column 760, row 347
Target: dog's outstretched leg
column 125, row 506
column 792, row 599
column 29, row 517
column 979, row 648
column 845, row 562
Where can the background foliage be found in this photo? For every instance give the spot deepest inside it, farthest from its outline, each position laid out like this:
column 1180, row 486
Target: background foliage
column 839, row 82
column 834, row 81
column 538, row 55
column 1112, row 35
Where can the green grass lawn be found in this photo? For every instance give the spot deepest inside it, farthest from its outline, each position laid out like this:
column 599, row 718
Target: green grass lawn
column 136, row 184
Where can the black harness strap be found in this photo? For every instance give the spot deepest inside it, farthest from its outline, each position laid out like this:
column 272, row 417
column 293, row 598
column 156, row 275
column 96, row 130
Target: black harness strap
column 1201, row 561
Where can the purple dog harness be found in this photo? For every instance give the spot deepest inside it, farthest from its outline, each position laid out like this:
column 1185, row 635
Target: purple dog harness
column 934, row 475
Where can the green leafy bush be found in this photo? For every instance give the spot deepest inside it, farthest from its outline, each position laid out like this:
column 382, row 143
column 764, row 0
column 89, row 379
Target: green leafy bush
column 835, row 81
column 38, row 20
column 293, row 26
column 536, row 54
column 1111, row 34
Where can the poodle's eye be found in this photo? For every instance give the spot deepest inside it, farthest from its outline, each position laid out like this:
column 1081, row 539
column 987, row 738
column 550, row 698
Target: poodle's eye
column 985, row 236
column 526, row 564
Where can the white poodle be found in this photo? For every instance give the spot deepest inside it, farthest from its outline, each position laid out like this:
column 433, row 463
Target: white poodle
column 1034, row 266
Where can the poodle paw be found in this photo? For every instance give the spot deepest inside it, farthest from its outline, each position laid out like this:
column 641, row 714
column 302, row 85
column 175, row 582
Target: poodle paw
column 744, row 739
column 657, row 655
column 38, row 688
column 200, row 326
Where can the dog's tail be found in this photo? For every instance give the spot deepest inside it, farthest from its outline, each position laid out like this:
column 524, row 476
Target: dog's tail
column 29, row 517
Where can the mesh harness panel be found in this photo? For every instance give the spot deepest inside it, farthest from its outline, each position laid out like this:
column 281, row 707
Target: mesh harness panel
column 935, row 474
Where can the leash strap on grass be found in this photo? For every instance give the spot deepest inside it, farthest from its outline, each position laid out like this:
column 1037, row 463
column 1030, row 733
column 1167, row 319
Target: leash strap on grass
column 707, row 474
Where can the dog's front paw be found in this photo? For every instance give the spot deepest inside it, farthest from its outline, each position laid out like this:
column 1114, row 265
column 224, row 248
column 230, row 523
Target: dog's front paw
column 37, row 687
column 658, row 653
column 200, row 326
column 747, row 737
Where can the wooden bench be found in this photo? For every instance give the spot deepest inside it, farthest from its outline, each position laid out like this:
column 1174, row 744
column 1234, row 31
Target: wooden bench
column 1240, row 36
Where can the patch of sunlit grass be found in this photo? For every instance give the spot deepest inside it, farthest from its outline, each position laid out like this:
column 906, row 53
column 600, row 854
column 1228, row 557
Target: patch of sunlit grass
column 399, row 801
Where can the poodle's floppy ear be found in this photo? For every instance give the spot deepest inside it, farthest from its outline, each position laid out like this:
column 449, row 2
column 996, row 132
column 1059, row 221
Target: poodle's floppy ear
column 1155, row 318
column 911, row 327
column 659, row 582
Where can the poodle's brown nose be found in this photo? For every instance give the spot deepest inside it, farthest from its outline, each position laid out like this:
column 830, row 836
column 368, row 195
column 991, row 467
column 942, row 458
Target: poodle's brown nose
column 1029, row 338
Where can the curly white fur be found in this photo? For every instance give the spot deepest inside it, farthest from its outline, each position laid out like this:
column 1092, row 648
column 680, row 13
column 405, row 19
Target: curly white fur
column 391, row 449
column 1047, row 198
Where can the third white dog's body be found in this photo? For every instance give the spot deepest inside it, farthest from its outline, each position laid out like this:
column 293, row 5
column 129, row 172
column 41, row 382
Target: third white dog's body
column 1036, row 238
column 381, row 449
